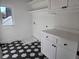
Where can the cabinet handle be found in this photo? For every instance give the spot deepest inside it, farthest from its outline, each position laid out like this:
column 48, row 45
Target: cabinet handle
column 65, row 44
column 53, row 45
column 63, row 7
column 46, row 36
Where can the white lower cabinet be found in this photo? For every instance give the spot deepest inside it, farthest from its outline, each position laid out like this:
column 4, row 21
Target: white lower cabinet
column 65, row 53
column 48, row 48
column 58, row 48
column 0, row 53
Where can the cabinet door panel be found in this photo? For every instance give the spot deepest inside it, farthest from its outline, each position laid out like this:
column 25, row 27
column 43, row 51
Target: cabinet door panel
column 67, row 44
column 74, row 3
column 64, row 3
column 48, row 49
column 58, row 4
column 52, row 52
column 36, row 32
column 55, row 4
column 0, row 53
column 40, row 21
column 64, row 53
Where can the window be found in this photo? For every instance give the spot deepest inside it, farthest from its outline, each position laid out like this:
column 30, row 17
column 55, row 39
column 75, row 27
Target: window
column 6, row 16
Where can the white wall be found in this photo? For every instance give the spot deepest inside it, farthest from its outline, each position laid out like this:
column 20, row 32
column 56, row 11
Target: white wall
column 22, row 29
column 41, row 19
column 68, row 20
column 65, row 20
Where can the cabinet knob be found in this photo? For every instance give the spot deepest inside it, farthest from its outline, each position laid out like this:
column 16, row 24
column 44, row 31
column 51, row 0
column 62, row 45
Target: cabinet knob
column 34, row 23
column 46, row 36
column 53, row 45
column 65, row 44
column 46, row 26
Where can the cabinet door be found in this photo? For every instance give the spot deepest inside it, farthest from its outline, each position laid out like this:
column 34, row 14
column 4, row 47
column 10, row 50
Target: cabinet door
column 41, row 19
column 36, row 32
column 48, row 49
column 74, row 3
column 0, row 53
column 57, row 4
column 64, row 53
column 37, row 26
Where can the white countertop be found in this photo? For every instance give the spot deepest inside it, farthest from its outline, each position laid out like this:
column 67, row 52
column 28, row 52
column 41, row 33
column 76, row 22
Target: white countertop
column 63, row 34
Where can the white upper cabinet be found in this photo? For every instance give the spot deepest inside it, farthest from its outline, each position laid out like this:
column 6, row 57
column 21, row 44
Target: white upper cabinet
column 58, row 4
column 65, row 53
column 73, row 3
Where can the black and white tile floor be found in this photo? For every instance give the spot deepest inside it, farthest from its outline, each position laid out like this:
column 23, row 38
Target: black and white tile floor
column 18, row 50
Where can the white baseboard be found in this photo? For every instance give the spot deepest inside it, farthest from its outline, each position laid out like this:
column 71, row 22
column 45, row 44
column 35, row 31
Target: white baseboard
column 33, row 39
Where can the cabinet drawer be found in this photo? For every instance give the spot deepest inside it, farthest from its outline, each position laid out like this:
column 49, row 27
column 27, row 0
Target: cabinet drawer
column 49, row 37
column 67, row 43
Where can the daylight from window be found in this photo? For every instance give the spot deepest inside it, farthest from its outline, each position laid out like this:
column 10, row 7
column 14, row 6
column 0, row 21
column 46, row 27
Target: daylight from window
column 6, row 16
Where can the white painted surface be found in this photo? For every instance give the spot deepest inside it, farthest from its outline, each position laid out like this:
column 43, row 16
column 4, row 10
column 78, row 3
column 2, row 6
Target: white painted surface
column 68, row 20
column 57, row 4
column 47, row 48
column 74, row 3
column 0, row 54
column 67, row 6
column 38, row 4
column 63, row 51
column 64, row 34
column 22, row 29
column 41, row 19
